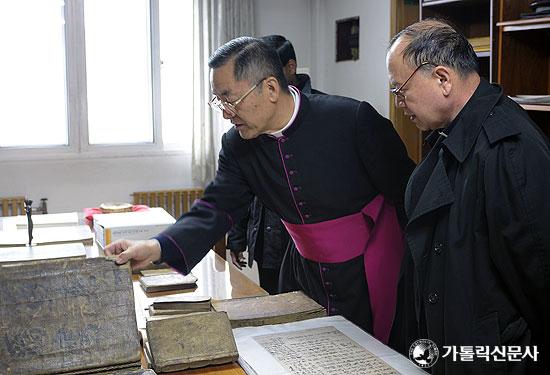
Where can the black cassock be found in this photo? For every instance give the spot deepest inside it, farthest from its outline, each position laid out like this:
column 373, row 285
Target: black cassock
column 336, row 157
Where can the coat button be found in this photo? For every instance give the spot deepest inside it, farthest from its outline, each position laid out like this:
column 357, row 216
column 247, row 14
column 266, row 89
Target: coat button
column 438, row 248
column 433, row 298
column 268, row 228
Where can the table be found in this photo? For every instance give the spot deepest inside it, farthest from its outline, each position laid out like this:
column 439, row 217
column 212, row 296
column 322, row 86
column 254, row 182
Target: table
column 218, row 279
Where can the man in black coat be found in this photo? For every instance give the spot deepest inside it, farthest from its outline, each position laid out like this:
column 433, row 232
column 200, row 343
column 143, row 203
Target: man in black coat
column 331, row 167
column 476, row 274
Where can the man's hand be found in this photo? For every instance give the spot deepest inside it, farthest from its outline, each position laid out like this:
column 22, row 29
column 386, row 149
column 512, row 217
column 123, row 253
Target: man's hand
column 140, row 253
column 238, row 259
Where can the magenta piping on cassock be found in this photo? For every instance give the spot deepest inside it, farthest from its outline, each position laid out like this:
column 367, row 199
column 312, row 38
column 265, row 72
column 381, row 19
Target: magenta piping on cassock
column 373, row 232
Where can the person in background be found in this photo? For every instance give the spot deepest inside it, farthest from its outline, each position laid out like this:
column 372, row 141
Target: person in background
column 262, row 231
column 286, row 53
column 476, row 273
column 332, row 168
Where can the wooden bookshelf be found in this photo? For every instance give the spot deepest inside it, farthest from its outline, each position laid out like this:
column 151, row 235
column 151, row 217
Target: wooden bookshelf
column 523, row 60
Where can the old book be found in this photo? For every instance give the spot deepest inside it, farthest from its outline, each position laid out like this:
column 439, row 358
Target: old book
column 190, row 341
column 328, row 345
column 41, row 252
column 271, row 309
column 48, row 235
column 191, row 303
column 168, row 281
column 71, row 315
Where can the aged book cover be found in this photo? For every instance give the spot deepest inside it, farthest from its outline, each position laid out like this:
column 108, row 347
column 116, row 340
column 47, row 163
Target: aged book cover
column 271, row 309
column 67, row 315
column 167, row 281
column 191, row 303
column 190, row 341
column 41, row 252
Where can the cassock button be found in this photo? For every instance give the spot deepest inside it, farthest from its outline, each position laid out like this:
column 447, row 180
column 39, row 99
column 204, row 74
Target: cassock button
column 301, row 203
column 296, row 188
column 438, row 248
column 288, row 156
column 307, row 216
column 291, row 172
column 433, row 298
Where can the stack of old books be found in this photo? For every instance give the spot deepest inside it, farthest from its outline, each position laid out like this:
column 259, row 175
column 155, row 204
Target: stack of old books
column 271, row 309
column 189, row 341
column 67, row 316
column 179, row 304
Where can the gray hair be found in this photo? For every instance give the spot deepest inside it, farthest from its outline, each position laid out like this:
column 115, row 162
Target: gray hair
column 438, row 43
column 254, row 60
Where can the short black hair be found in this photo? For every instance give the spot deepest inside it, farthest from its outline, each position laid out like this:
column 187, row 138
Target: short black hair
column 437, row 42
column 254, row 60
column 284, row 48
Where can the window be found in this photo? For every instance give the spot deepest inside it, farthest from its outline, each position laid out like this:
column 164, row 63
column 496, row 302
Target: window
column 96, row 75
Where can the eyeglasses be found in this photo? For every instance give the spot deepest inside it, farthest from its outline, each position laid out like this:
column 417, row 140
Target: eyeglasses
column 230, row 107
column 398, row 91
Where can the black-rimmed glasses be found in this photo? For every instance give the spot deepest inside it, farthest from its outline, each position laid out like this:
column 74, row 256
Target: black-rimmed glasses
column 398, row 91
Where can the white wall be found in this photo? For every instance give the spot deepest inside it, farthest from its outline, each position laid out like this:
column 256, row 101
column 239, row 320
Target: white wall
column 311, row 27
column 290, row 18
column 72, row 184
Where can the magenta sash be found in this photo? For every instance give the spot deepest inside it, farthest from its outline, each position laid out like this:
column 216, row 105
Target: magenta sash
column 373, row 232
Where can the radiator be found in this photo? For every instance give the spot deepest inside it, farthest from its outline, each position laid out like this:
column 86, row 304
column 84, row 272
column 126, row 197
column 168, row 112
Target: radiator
column 176, row 202
column 13, row 206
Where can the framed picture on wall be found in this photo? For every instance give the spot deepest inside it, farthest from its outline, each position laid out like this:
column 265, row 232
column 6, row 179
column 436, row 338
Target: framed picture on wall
column 347, row 39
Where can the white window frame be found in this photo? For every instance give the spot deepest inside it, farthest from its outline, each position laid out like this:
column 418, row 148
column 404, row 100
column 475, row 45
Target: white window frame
column 76, row 101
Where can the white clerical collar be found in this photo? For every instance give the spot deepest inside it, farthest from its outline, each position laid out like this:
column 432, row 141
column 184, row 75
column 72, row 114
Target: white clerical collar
column 296, row 97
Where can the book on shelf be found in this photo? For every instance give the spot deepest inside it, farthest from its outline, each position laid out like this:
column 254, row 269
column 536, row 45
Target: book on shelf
column 270, row 309
column 180, row 304
column 64, row 313
column 48, row 235
column 168, row 281
column 481, row 44
column 41, row 252
column 189, row 341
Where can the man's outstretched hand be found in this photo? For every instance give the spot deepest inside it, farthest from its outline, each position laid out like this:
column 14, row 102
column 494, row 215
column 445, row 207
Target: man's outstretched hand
column 139, row 253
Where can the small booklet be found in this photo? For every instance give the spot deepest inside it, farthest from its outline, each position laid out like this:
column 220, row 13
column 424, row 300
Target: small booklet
column 168, row 281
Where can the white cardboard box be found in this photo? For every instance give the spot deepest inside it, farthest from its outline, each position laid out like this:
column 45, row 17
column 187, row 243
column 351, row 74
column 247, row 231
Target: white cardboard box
column 140, row 225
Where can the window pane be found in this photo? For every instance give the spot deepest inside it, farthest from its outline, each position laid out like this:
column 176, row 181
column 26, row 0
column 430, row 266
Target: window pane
column 32, row 73
column 118, row 71
column 176, row 55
